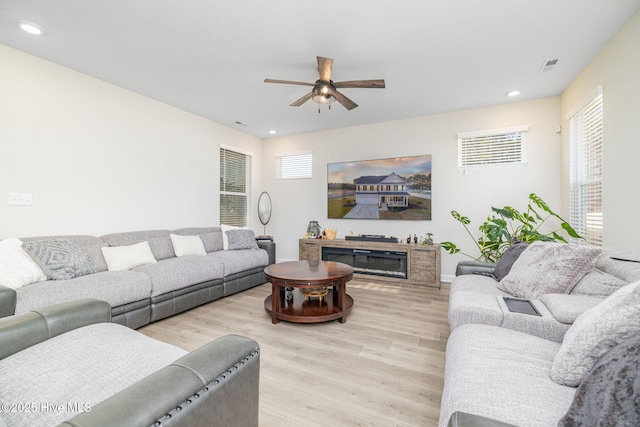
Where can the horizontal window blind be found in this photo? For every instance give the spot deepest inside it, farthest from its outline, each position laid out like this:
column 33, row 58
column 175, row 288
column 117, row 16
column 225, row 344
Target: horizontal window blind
column 296, row 165
column 492, row 148
column 235, row 188
column 586, row 171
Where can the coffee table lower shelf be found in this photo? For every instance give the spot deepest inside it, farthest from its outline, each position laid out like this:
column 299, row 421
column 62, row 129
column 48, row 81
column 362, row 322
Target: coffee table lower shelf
column 310, row 311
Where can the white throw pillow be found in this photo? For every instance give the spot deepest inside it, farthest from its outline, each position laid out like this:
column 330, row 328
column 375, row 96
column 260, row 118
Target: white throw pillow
column 225, row 238
column 187, row 245
column 128, row 257
column 17, row 268
column 548, row 268
column 595, row 332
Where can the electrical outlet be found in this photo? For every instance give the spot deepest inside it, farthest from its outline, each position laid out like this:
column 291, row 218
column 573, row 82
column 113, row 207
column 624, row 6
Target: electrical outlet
column 20, row 199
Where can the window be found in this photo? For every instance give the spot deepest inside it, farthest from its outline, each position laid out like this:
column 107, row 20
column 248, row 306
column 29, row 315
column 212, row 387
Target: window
column 235, row 187
column 492, row 147
column 585, row 170
column 294, row 165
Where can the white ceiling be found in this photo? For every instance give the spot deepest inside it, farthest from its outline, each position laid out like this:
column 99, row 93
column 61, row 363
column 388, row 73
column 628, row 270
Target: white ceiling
column 211, row 57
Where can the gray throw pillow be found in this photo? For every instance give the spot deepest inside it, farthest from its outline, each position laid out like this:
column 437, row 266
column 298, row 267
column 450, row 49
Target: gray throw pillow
column 507, row 259
column 548, row 268
column 59, row 259
column 241, row 239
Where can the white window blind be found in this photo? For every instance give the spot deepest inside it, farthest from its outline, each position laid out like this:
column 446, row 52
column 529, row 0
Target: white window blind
column 235, row 187
column 294, row 165
column 585, row 171
column 492, row 147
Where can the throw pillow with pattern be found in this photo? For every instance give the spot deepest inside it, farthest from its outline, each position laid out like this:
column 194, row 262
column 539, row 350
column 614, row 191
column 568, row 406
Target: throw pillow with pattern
column 242, row 239
column 595, row 332
column 59, row 259
column 548, row 268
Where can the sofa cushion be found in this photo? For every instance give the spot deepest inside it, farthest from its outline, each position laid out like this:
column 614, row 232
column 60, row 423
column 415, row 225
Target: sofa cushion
column 567, row 308
column 59, row 259
column 127, row 257
column 187, row 245
column 115, row 287
column 476, row 283
column 211, row 236
column 595, row 332
column 507, row 259
column 502, row 374
column 241, row 239
column 17, row 268
column 597, row 283
column 620, row 263
column 176, row 273
column 82, row 367
column 159, row 241
column 548, row 267
column 241, row 260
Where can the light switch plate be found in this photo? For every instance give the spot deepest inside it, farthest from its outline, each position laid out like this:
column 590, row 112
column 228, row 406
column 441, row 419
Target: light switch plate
column 20, row 199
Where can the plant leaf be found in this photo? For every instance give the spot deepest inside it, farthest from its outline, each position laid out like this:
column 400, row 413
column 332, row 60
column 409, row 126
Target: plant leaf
column 463, row 219
column 540, row 203
column 570, row 231
column 503, row 212
column 559, row 237
column 450, row 247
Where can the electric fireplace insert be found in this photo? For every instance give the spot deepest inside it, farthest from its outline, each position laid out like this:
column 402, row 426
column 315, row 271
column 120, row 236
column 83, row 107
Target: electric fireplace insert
column 374, row 262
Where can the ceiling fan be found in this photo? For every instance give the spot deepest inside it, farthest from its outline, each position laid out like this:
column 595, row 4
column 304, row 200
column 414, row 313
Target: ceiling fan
column 325, row 91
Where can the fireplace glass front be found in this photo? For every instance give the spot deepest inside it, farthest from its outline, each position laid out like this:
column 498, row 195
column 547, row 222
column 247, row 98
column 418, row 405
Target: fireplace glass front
column 378, row 263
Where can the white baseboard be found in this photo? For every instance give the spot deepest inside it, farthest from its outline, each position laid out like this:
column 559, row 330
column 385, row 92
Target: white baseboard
column 447, row 278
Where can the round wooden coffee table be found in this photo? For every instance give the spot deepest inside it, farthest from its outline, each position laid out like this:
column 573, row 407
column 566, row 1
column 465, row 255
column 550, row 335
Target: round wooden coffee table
column 297, row 291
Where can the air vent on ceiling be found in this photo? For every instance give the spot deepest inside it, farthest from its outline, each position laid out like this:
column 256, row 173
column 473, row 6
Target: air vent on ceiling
column 549, row 64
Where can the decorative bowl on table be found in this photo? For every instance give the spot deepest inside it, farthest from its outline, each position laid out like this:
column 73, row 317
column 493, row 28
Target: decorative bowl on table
column 314, row 293
column 330, row 233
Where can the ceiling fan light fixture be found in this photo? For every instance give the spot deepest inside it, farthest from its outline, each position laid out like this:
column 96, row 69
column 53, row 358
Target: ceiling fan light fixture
column 321, row 94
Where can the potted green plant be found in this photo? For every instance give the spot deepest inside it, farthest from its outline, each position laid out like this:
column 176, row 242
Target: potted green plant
column 507, row 225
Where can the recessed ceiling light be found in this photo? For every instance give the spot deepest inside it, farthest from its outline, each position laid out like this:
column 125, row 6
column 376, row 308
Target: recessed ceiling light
column 272, row 132
column 30, row 28
column 515, row 92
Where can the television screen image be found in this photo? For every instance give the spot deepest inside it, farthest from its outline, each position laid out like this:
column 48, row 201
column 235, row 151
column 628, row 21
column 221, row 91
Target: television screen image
column 395, row 188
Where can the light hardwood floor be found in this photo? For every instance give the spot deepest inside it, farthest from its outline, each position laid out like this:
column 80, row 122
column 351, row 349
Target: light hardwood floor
column 383, row 367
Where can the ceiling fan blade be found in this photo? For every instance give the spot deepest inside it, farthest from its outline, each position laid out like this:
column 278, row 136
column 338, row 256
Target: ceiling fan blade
column 324, row 68
column 288, row 82
column 346, row 102
column 302, row 100
column 377, row 84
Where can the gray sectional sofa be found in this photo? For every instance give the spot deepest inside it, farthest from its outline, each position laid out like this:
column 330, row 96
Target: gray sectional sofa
column 506, row 368
column 153, row 291
column 476, row 298
column 69, row 365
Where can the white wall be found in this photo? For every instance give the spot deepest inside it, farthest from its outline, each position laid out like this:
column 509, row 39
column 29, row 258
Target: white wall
column 617, row 69
column 472, row 194
column 100, row 159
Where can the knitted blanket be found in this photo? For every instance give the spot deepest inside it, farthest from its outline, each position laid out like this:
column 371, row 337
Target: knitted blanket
column 609, row 395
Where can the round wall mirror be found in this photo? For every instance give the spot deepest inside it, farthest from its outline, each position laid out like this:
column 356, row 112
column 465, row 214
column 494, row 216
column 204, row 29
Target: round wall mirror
column 264, row 209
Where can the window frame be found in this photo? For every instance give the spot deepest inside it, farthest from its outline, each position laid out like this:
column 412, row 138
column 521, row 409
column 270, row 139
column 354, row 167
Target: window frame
column 299, row 165
column 475, row 146
column 586, row 169
column 227, row 190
